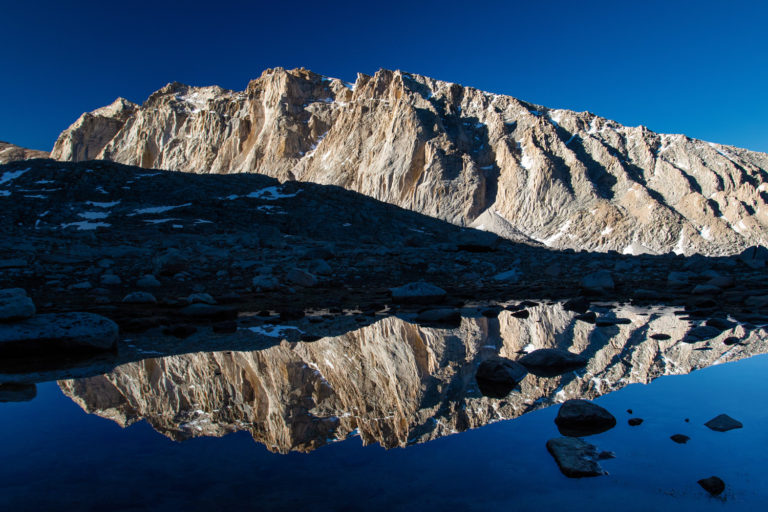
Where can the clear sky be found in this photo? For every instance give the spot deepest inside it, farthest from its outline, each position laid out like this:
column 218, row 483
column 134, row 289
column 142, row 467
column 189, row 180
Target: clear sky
column 699, row 68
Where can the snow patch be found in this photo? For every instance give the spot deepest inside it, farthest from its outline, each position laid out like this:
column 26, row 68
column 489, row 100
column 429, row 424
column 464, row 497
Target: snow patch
column 94, row 215
column 9, row 176
column 4, row 193
column 102, row 205
column 157, row 209
column 85, row 225
column 271, row 194
column 560, row 232
column 274, row 331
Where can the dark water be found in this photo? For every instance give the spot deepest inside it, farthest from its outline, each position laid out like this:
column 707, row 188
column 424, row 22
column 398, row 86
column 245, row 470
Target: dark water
column 56, row 456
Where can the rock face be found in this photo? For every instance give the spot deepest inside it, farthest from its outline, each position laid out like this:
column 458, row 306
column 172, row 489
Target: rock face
column 394, row 382
column 526, row 172
column 11, row 153
column 85, row 139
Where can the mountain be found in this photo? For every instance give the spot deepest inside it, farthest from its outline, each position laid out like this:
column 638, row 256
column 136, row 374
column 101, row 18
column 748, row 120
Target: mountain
column 11, row 153
column 395, row 382
column 561, row 178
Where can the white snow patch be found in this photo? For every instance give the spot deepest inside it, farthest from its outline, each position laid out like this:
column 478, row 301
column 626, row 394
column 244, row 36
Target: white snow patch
column 159, row 221
column 12, row 175
column 85, row 225
column 706, row 233
column 35, row 196
column 94, row 215
column 102, row 205
column 274, row 331
column 607, row 230
column 680, row 246
column 529, row 348
column 4, row 193
column 101, row 190
column 271, row 194
column 157, row 209
column 526, row 161
column 560, row 232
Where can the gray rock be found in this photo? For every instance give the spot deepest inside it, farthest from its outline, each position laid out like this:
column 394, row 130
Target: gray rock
column 418, row 293
column 583, row 418
column 110, row 280
column 319, row 267
column 51, row 333
column 265, row 283
column 706, row 289
column 140, row 298
column 209, row 311
column 301, row 277
column 575, row 457
column 548, row 362
column 599, row 281
column 148, row 281
column 84, row 285
column 15, row 305
column 512, row 276
column 723, row 423
column 497, row 377
column 203, row 298
column 171, row 262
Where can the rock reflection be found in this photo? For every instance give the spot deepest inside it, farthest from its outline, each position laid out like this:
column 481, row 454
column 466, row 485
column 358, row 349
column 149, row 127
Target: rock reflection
column 397, row 383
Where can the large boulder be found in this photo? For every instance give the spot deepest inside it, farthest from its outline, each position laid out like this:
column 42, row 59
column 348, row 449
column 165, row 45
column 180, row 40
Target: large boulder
column 723, row 423
column 548, row 362
column 575, row 457
column 15, row 305
column 497, row 377
column 57, row 333
column 418, row 293
column 583, row 418
column 599, row 281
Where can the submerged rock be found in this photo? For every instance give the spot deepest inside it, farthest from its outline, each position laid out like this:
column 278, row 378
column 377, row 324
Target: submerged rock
column 713, row 485
column 723, row 423
column 575, row 457
column 548, row 362
column 497, row 377
column 680, row 438
column 53, row 333
column 583, row 418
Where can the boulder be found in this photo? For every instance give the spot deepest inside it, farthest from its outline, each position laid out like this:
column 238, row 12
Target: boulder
column 575, row 457
column 56, row 333
column 148, row 281
column 723, row 423
column 701, row 333
column 577, row 305
column 713, row 485
column 583, row 418
column 497, row 377
column 599, row 281
column 680, row 438
column 17, row 392
column 140, row 298
column 15, row 305
column 548, row 362
column 201, row 298
column 301, row 278
column 265, row 283
column 418, row 293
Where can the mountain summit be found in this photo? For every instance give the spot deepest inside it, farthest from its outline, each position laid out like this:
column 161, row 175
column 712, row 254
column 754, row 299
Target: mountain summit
column 560, row 178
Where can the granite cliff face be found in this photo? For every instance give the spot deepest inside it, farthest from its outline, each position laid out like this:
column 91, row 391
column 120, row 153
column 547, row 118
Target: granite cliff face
column 395, row 382
column 527, row 172
column 11, row 153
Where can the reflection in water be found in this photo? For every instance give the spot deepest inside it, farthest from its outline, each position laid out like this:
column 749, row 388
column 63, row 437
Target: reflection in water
column 395, row 382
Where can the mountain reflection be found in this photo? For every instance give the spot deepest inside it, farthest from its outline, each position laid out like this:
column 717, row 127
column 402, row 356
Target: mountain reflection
column 396, row 382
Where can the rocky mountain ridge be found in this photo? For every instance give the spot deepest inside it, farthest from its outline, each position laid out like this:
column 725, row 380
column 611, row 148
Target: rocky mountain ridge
column 12, row 153
column 529, row 173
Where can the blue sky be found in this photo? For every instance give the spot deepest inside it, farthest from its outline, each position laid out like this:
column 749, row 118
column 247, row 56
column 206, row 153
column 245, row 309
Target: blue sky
column 699, row 68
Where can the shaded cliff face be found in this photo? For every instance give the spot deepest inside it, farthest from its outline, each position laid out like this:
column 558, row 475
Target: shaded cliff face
column 394, row 382
column 565, row 179
column 11, row 153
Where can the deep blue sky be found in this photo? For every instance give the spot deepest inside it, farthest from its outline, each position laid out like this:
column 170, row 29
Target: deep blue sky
column 699, row 68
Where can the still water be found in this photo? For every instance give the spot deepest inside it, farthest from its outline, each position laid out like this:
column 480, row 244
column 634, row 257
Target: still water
column 389, row 417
